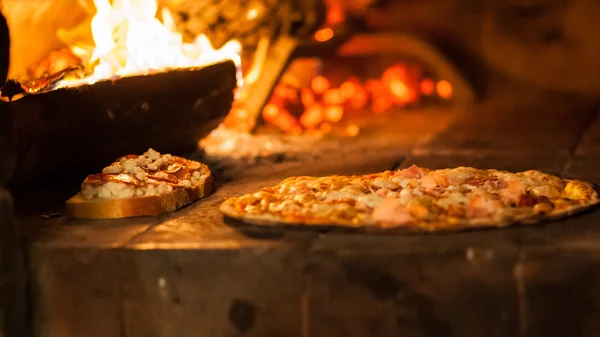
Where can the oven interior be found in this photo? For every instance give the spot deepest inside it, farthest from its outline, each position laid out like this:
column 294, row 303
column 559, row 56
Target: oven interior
column 261, row 90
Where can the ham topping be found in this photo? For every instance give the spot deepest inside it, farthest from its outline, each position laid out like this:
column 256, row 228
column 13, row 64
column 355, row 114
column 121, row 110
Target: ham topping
column 390, row 213
column 487, row 183
column 513, row 192
column 411, row 172
column 481, row 206
column 428, row 182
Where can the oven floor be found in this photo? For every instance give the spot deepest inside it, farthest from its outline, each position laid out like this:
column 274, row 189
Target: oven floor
column 189, row 274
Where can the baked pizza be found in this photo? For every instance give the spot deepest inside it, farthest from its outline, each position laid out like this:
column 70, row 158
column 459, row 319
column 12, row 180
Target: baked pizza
column 414, row 198
column 136, row 185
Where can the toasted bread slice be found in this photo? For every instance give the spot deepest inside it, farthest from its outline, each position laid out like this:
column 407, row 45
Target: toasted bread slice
column 78, row 207
column 150, row 184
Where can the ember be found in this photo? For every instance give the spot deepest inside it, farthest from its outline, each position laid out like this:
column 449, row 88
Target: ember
column 316, row 104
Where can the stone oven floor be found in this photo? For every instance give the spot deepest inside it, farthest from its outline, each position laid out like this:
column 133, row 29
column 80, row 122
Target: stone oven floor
column 189, row 274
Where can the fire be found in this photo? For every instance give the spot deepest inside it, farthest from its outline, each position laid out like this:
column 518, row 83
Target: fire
column 130, row 40
column 322, row 104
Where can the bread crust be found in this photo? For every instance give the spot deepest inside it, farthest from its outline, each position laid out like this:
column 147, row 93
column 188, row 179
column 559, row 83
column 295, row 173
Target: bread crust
column 78, row 207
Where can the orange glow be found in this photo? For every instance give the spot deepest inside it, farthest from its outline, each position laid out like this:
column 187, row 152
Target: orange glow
column 238, row 119
column 373, row 86
column 334, row 113
column 335, row 12
column 348, row 89
column 352, row 130
column 286, row 92
column 427, row 86
column 335, row 17
column 325, row 128
column 400, row 91
column 333, row 97
column 270, row 111
column 359, row 99
column 307, row 97
column 295, row 130
column 444, row 89
column 129, row 39
column 321, row 104
column 242, row 113
column 319, row 84
column 397, row 82
column 312, row 117
column 324, row 34
column 381, row 104
column 286, row 120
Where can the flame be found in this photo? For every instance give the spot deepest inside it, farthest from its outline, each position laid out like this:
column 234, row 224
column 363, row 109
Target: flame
column 130, row 40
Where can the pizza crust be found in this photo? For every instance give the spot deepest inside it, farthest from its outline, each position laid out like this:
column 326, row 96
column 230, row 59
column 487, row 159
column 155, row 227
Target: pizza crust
column 273, row 221
column 270, row 222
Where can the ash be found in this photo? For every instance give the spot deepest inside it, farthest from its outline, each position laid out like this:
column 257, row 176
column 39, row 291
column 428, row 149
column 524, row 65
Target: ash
column 232, row 148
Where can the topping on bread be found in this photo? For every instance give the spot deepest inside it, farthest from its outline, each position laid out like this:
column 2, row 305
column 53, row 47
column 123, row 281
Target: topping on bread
column 148, row 184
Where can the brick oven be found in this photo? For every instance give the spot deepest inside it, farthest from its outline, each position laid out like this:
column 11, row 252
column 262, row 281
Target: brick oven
column 266, row 89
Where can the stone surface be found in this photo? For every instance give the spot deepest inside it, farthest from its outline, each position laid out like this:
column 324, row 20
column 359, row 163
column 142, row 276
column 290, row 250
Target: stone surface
column 76, row 292
column 189, row 273
column 590, row 142
column 563, row 302
column 584, row 167
column 225, row 290
column 12, row 273
column 544, row 128
column 399, row 289
column 56, row 231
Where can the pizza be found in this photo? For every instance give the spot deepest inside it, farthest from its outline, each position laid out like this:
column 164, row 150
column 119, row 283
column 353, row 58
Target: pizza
column 414, row 199
column 137, row 185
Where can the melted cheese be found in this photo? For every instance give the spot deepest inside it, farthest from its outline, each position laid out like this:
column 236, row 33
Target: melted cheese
column 456, row 199
column 384, row 183
column 370, row 200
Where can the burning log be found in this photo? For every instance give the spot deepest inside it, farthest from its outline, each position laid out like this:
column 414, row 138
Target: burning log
column 57, row 61
column 70, row 132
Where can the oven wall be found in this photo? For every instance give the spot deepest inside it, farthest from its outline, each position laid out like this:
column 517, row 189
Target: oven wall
column 550, row 44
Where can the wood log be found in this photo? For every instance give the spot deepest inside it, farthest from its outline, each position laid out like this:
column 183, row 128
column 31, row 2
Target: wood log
column 71, row 132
